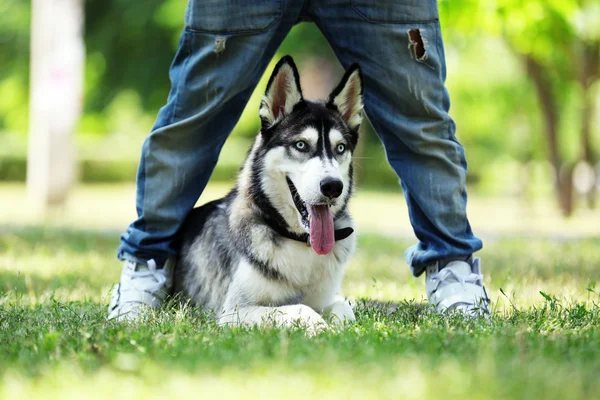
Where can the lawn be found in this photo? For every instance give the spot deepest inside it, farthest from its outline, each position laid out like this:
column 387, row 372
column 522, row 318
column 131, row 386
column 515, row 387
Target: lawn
column 543, row 341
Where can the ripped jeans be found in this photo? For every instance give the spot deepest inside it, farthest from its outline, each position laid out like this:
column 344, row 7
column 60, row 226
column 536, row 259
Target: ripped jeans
column 223, row 51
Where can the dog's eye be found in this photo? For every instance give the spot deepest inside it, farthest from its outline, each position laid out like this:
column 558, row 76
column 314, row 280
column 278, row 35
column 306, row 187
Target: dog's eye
column 341, row 148
column 301, row 145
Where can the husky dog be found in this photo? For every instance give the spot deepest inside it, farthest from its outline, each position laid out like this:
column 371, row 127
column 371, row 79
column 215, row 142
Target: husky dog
column 274, row 249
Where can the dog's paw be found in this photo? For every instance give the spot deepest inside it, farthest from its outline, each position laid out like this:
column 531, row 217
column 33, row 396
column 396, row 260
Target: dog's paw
column 303, row 317
column 296, row 316
column 340, row 312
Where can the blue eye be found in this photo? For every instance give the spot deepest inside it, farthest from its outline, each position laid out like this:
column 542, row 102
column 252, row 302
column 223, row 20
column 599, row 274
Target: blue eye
column 340, row 148
column 301, row 145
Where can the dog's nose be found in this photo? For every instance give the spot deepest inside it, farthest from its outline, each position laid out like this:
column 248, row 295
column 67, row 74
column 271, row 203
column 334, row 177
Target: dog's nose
column 332, row 187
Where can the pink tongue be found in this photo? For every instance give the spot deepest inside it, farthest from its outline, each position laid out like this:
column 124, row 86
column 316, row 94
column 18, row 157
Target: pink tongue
column 322, row 237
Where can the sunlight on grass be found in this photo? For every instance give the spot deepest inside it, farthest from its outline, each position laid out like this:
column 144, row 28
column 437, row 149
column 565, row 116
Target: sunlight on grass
column 66, row 265
column 68, row 351
column 542, row 341
column 407, row 378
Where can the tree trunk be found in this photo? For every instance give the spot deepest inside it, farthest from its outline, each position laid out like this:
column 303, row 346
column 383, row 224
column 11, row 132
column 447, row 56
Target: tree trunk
column 563, row 174
column 587, row 150
column 57, row 58
column 589, row 71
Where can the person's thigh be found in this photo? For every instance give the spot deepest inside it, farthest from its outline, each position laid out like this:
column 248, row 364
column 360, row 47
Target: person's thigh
column 399, row 47
column 224, row 49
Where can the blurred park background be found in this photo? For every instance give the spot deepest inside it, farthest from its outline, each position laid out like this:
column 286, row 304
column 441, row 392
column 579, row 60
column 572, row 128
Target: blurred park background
column 81, row 82
column 524, row 80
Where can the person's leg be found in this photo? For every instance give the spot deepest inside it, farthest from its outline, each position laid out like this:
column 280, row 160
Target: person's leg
column 398, row 44
column 222, row 54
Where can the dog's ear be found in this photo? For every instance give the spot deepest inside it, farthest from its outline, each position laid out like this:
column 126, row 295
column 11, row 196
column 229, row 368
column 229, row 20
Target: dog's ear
column 347, row 97
column 282, row 94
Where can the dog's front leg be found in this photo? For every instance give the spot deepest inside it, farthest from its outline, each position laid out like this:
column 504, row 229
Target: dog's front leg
column 340, row 311
column 292, row 316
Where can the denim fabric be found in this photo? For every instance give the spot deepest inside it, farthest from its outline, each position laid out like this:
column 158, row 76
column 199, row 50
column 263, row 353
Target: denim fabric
column 223, row 51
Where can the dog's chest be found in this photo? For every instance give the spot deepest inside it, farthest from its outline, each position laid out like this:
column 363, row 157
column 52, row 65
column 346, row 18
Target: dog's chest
column 306, row 269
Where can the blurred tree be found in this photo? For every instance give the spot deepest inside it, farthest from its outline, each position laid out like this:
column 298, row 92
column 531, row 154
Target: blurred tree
column 588, row 52
column 558, row 42
column 57, row 60
column 496, row 93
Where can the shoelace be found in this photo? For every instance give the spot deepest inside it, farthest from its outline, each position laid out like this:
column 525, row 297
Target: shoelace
column 159, row 275
column 441, row 276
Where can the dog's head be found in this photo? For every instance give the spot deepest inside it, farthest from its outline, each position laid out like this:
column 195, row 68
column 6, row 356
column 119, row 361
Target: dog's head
column 305, row 151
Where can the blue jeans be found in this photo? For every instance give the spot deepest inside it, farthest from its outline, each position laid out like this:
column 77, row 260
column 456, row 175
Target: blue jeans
column 223, row 51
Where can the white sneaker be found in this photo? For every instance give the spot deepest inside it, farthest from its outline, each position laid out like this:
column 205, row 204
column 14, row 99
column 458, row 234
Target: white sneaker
column 457, row 286
column 141, row 287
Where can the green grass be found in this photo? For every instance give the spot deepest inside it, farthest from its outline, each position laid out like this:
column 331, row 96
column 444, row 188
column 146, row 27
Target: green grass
column 55, row 342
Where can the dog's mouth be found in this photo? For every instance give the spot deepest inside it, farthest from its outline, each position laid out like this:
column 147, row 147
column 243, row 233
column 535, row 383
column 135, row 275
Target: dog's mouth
column 299, row 203
column 317, row 219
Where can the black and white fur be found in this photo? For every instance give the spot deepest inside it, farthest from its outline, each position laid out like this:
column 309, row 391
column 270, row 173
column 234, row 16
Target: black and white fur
column 232, row 261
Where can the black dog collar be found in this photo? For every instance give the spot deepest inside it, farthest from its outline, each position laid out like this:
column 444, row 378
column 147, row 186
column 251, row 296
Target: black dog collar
column 340, row 234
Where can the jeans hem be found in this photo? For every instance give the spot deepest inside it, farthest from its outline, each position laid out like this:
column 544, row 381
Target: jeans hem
column 124, row 256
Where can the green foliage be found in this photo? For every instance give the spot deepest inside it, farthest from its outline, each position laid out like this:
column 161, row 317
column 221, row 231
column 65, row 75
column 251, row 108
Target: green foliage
column 130, row 46
column 133, row 47
column 14, row 64
column 554, row 34
column 13, row 169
